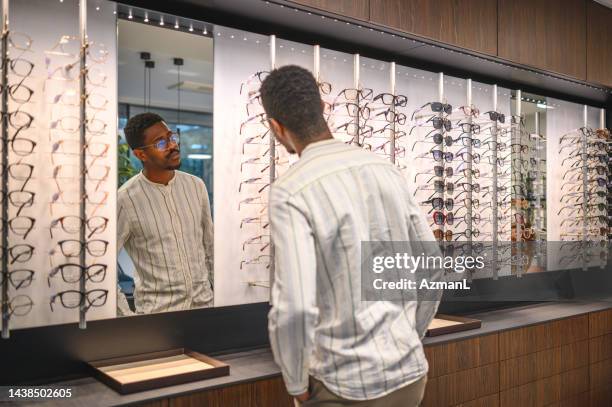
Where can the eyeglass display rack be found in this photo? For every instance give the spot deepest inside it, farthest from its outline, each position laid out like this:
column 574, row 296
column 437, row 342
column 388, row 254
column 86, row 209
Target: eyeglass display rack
column 5, row 158
column 67, row 106
column 83, row 158
column 584, row 155
column 354, row 116
column 13, row 93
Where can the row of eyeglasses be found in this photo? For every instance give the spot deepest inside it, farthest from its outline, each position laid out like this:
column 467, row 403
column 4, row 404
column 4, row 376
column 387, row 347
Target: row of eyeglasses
column 260, row 155
column 585, row 187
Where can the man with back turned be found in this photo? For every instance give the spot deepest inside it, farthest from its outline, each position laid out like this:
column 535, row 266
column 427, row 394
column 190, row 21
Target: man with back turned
column 334, row 349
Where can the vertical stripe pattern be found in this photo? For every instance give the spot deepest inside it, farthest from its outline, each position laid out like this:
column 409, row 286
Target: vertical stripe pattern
column 321, row 210
column 168, row 232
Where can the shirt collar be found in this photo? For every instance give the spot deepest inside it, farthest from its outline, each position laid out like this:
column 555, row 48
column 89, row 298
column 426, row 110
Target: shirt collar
column 155, row 184
column 318, row 146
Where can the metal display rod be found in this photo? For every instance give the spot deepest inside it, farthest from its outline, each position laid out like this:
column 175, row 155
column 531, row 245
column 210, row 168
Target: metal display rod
column 469, row 163
column 5, row 148
column 585, row 181
column 494, row 209
column 272, row 160
column 83, row 164
column 602, row 125
column 393, row 111
column 356, row 86
column 519, row 230
column 442, row 178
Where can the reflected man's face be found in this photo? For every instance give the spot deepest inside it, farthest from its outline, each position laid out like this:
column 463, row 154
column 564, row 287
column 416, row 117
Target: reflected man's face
column 152, row 157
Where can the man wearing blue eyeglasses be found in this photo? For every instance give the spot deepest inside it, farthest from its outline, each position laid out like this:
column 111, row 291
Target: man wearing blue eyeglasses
column 164, row 223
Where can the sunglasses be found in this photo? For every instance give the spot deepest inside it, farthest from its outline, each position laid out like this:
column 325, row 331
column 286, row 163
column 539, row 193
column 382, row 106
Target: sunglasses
column 439, row 203
column 437, row 107
column 441, row 235
column 440, row 218
column 438, row 155
column 496, row 116
column 389, row 99
column 439, row 122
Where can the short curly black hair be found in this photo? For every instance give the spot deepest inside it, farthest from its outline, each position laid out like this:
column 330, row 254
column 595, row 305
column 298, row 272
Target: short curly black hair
column 137, row 125
column 291, row 96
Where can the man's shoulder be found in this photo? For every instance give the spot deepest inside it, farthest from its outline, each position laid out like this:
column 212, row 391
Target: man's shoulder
column 129, row 187
column 317, row 168
column 190, row 179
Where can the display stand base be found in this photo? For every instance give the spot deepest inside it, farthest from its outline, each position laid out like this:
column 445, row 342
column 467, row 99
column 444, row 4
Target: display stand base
column 158, row 369
column 445, row 324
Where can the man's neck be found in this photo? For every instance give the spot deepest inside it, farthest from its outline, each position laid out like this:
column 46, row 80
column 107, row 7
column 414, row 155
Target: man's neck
column 326, row 135
column 158, row 176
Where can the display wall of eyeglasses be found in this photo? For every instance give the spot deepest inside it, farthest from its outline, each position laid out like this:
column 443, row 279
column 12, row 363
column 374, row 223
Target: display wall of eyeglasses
column 580, row 144
column 44, row 229
column 477, row 156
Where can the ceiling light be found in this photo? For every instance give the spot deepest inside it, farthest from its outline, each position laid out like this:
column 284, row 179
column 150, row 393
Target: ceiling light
column 199, row 156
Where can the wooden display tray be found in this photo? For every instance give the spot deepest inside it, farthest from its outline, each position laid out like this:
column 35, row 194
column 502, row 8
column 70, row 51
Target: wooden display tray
column 445, row 324
column 157, row 369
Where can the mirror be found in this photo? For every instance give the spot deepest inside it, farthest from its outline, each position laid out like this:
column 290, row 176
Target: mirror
column 165, row 165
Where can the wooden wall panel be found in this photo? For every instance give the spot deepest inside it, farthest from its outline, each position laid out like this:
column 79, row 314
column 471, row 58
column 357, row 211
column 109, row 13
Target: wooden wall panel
column 599, row 44
column 546, row 34
column 528, row 368
column 601, row 397
column 272, row 393
column 551, row 364
column 535, row 338
column 469, row 24
column 238, row 395
column 461, row 355
column 359, row 9
column 463, row 386
column 601, row 374
column 487, row 401
column 600, row 348
column 157, row 403
column 600, row 323
column 547, row 391
column 577, row 400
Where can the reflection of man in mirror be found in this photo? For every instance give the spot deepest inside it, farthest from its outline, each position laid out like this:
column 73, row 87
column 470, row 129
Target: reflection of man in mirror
column 164, row 223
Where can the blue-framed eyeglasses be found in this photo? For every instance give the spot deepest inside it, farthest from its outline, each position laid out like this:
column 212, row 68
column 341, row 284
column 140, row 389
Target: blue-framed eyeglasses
column 162, row 144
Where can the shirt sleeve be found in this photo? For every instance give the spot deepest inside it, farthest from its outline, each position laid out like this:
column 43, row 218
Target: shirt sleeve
column 123, row 225
column 293, row 316
column 427, row 300
column 208, row 236
column 422, row 240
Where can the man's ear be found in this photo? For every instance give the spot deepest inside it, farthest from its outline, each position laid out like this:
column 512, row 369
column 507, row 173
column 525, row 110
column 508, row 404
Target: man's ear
column 277, row 129
column 139, row 154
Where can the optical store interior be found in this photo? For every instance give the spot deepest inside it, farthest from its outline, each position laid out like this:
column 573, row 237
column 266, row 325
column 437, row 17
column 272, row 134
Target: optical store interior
column 122, row 287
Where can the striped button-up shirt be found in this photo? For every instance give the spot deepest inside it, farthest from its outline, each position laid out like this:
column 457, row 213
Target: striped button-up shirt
column 332, row 199
column 168, row 232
